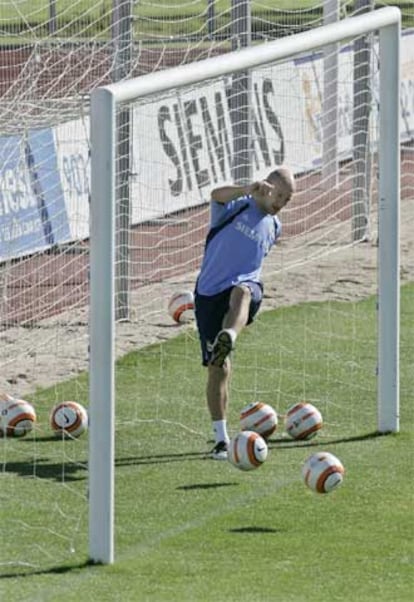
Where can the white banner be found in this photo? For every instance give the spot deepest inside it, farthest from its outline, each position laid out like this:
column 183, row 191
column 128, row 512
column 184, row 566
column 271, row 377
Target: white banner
column 182, row 145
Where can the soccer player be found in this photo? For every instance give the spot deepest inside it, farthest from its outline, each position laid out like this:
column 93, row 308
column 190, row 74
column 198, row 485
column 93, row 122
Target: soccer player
column 228, row 293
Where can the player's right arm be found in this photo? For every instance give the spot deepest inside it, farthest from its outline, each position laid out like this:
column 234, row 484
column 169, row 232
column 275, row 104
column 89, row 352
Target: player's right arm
column 225, row 194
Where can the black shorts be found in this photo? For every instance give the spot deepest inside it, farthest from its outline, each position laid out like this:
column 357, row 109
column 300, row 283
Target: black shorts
column 210, row 312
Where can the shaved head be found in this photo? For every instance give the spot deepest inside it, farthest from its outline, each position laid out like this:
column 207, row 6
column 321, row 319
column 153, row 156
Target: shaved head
column 282, row 175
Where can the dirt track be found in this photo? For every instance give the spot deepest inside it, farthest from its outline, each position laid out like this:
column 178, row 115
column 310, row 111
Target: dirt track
column 56, row 348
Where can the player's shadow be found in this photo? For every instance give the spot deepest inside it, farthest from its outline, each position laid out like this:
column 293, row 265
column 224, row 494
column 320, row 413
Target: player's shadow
column 317, row 442
column 44, row 469
column 159, row 458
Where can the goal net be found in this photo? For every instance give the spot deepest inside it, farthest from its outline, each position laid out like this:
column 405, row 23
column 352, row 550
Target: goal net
column 155, row 158
column 236, row 117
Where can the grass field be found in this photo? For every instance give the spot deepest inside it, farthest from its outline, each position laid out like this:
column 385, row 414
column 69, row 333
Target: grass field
column 193, row 530
column 160, row 20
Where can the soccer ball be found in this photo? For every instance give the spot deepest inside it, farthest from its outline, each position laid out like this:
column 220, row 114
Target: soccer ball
column 68, row 418
column 323, row 472
column 303, row 421
column 17, row 417
column 181, row 306
column 258, row 417
column 247, row 450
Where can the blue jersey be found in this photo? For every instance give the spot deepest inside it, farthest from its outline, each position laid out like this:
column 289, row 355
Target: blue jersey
column 235, row 253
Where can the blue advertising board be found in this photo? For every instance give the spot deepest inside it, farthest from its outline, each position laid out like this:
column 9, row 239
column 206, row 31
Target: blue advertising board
column 46, row 184
column 32, row 208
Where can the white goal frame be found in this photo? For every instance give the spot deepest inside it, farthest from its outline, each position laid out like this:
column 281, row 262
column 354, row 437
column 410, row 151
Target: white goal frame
column 104, row 102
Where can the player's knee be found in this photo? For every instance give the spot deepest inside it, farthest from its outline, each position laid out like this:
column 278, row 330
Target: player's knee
column 241, row 293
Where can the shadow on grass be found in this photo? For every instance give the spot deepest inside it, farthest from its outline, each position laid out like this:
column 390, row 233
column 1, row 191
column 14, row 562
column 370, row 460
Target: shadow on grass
column 72, row 471
column 254, row 529
column 54, row 570
column 48, row 438
column 205, row 486
column 159, row 458
column 318, row 442
column 42, row 468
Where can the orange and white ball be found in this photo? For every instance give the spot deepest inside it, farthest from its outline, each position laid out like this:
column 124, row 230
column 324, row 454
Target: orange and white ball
column 181, row 306
column 247, row 450
column 68, row 418
column 260, row 418
column 17, row 417
column 303, row 421
column 323, row 472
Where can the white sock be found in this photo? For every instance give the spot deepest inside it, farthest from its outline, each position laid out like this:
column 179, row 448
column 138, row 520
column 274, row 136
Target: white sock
column 220, row 430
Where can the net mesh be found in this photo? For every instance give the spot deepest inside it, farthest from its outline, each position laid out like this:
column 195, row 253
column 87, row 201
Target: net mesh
column 179, row 146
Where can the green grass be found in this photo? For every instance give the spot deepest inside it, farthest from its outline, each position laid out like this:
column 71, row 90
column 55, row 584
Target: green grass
column 158, row 21
column 193, row 530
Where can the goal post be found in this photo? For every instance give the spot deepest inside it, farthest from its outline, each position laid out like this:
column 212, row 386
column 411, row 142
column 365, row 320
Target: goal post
column 388, row 232
column 104, row 104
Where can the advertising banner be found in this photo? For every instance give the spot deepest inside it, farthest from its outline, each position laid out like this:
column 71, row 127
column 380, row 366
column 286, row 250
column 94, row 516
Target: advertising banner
column 24, row 224
column 33, row 213
column 182, row 146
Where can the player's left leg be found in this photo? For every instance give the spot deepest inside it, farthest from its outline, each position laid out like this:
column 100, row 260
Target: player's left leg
column 210, row 312
column 217, row 400
column 218, row 390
